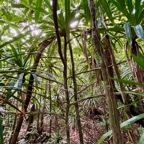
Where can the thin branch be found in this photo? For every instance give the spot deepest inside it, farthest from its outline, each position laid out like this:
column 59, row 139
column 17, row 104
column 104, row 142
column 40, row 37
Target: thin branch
column 50, row 79
column 98, row 68
column 57, row 30
column 31, row 113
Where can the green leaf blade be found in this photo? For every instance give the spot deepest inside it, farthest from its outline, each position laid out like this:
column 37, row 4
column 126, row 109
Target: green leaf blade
column 124, row 124
column 139, row 61
column 139, row 31
column 86, row 10
column 127, row 29
column 38, row 9
column 107, row 10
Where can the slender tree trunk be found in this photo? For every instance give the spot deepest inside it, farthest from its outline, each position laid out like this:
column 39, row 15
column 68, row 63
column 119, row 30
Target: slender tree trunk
column 50, row 106
column 30, row 120
column 125, row 98
column 109, row 90
column 66, row 91
column 76, row 96
column 64, row 61
column 31, row 117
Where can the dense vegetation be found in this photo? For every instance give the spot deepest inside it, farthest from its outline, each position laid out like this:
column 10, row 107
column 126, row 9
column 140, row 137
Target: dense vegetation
column 72, row 71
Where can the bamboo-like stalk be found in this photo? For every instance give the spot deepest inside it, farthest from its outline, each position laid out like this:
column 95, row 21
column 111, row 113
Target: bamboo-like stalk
column 30, row 120
column 50, row 106
column 66, row 91
column 125, row 97
column 76, row 96
column 109, row 90
column 63, row 57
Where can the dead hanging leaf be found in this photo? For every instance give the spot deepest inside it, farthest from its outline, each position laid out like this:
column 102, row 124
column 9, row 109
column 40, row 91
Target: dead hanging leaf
column 7, row 102
column 84, row 39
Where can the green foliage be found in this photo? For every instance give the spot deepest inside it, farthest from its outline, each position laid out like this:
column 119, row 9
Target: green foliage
column 139, row 31
column 141, row 140
column 26, row 24
column 86, row 10
column 124, row 124
column 127, row 28
column 13, row 40
column 38, row 9
column 105, row 6
column 130, row 82
column 139, row 60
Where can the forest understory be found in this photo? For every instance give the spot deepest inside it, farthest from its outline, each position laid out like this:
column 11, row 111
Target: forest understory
column 71, row 71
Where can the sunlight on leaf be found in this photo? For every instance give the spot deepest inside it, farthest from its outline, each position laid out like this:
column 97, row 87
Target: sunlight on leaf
column 139, row 31
column 127, row 29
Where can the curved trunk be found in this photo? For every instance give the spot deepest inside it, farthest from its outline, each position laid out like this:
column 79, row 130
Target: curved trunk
column 43, row 45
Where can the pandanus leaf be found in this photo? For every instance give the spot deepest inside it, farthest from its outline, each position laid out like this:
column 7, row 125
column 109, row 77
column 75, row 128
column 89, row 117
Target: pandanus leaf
column 38, row 9
column 124, row 124
column 127, row 28
column 141, row 140
column 86, row 10
column 139, row 31
column 106, row 8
